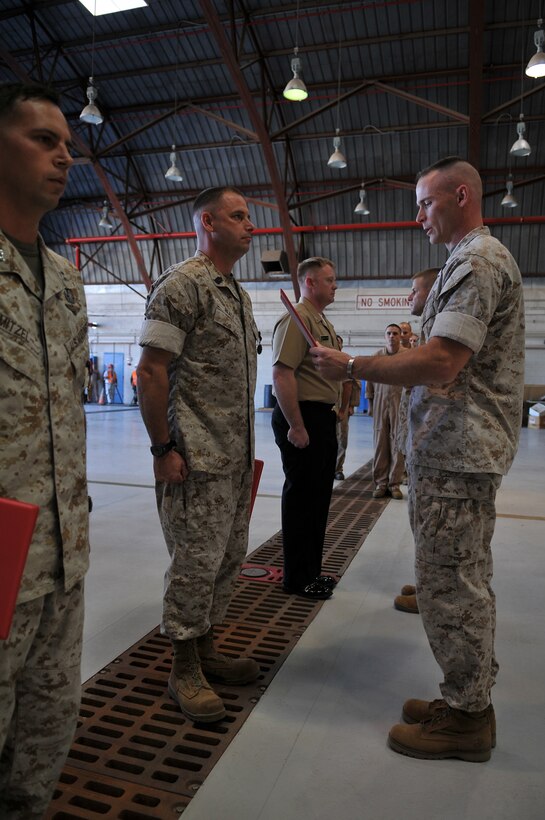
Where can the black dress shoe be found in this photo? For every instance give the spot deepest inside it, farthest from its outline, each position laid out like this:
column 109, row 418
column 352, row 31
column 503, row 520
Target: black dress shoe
column 327, row 581
column 314, row 590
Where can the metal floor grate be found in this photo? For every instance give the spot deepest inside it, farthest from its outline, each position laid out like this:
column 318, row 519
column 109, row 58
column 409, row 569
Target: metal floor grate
column 135, row 756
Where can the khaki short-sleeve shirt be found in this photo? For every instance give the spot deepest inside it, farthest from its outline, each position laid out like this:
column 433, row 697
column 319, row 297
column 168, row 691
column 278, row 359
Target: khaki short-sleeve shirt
column 290, row 348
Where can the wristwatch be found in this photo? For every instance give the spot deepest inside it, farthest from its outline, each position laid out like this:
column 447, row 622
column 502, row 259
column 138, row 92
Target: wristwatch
column 350, row 367
column 159, row 450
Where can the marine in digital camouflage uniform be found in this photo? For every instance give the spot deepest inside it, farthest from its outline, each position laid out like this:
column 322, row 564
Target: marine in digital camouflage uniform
column 464, row 422
column 196, row 383
column 43, row 351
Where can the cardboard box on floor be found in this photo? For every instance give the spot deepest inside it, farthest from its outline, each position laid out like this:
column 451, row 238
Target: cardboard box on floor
column 534, row 392
column 536, row 416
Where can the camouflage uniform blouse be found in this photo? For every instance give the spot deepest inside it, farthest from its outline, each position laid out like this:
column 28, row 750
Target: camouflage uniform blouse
column 472, row 424
column 205, row 319
column 43, row 351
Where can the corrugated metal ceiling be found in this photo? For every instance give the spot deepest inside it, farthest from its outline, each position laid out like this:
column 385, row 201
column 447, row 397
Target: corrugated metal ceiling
column 416, row 53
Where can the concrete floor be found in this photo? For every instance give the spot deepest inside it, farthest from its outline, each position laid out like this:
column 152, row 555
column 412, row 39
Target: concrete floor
column 314, row 748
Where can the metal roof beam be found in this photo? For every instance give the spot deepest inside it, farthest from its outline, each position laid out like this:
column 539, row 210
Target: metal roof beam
column 493, row 113
column 226, row 50
column 412, row 98
column 476, row 38
column 326, row 107
column 141, row 130
column 232, row 125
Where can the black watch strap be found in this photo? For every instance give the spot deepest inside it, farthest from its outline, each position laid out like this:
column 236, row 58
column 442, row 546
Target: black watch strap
column 159, row 450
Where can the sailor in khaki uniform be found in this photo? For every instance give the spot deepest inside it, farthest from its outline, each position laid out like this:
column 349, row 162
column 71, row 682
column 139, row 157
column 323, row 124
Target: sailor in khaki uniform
column 304, row 425
column 384, row 400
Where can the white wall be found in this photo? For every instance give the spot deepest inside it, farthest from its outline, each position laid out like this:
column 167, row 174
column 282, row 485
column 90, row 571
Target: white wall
column 119, row 311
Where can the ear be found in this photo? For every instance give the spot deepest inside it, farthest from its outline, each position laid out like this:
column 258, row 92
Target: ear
column 206, row 221
column 462, row 195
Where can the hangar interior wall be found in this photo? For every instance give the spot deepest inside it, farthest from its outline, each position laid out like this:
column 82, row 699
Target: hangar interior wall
column 360, row 314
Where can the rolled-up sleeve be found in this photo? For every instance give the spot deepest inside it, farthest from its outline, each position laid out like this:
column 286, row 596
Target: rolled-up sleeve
column 162, row 335
column 460, row 327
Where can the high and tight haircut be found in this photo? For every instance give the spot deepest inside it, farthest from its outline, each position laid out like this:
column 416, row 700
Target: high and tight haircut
column 440, row 165
column 211, row 196
column 392, row 324
column 429, row 275
column 12, row 93
column 312, row 263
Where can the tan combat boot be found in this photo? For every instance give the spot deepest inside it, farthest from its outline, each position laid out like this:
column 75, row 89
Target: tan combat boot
column 406, row 603
column 415, row 711
column 449, row 733
column 221, row 668
column 188, row 686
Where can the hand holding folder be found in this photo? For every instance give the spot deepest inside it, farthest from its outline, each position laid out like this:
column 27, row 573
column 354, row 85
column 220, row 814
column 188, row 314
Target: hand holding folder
column 17, row 522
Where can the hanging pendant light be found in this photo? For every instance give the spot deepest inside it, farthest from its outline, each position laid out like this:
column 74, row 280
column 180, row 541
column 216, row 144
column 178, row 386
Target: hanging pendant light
column 536, row 64
column 105, row 221
column 91, row 113
column 521, row 148
column 509, row 200
column 361, row 208
column 173, row 174
column 296, row 90
column 337, row 158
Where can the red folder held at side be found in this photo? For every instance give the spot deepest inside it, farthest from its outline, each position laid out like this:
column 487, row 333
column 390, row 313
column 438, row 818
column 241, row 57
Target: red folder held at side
column 17, row 522
column 258, row 469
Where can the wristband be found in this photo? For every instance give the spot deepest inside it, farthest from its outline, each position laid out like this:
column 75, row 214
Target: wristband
column 350, row 367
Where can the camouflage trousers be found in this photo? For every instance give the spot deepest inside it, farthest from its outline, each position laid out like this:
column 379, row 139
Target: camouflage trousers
column 342, row 442
column 205, row 523
column 452, row 518
column 40, row 686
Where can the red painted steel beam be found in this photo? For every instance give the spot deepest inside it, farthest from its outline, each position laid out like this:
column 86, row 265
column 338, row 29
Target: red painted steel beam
column 218, row 31
column 302, row 229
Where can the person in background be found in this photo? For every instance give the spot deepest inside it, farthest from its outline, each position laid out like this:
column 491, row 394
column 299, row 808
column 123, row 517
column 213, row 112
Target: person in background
column 384, row 399
column 305, row 429
column 464, row 424
column 196, row 383
column 422, row 285
column 134, row 385
column 110, row 383
column 350, row 398
column 406, row 332
column 43, row 352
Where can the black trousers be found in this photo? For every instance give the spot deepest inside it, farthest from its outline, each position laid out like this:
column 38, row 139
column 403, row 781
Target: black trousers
column 307, row 490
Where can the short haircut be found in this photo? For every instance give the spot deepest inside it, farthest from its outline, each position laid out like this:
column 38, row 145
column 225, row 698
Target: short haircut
column 440, row 165
column 392, row 324
column 429, row 275
column 211, row 196
column 12, row 93
column 312, row 263
column 456, row 171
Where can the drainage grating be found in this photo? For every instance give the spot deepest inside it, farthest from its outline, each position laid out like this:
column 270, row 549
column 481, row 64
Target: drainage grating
column 135, row 756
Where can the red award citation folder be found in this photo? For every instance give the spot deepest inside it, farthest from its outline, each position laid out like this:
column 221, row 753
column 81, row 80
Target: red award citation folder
column 297, row 319
column 17, row 521
column 258, row 469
